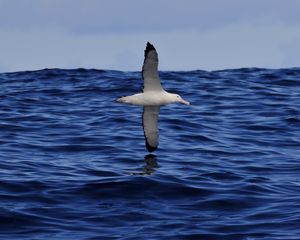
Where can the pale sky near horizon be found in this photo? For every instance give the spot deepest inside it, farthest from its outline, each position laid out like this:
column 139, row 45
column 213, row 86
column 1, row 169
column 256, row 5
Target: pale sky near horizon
column 111, row 34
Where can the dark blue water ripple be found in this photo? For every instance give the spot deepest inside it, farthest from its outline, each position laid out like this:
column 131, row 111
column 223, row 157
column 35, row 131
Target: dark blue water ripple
column 74, row 165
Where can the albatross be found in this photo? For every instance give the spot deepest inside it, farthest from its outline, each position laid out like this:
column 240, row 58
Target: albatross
column 152, row 97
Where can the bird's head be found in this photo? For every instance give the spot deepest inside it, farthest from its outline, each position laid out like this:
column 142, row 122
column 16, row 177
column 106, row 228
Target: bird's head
column 178, row 98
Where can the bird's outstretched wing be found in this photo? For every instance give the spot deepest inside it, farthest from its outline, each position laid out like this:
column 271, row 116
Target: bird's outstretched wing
column 150, row 125
column 150, row 72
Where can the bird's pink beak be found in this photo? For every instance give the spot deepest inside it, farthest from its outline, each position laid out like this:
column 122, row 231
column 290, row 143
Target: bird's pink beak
column 184, row 102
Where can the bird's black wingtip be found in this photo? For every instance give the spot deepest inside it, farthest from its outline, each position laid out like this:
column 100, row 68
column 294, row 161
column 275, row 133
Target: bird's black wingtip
column 150, row 148
column 149, row 47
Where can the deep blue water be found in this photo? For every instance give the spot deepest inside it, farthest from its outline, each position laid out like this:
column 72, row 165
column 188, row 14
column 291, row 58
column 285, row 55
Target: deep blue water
column 73, row 163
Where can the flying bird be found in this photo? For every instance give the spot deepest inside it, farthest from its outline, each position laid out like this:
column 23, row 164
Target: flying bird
column 152, row 97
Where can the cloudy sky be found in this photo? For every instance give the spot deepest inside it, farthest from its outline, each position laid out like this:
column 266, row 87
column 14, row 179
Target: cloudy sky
column 111, row 34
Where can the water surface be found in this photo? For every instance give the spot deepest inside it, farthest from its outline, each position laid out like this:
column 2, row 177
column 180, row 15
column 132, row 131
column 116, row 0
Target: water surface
column 74, row 164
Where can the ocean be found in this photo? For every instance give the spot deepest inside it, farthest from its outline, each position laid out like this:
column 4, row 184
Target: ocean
column 73, row 162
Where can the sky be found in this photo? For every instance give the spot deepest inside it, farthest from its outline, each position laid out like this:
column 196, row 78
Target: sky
column 112, row 34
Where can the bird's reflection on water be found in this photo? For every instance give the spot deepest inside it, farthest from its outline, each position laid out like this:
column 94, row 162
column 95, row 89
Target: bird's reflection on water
column 149, row 167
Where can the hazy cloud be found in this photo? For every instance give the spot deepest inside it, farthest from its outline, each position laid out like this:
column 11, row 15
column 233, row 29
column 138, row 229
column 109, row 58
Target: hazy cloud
column 191, row 34
column 116, row 16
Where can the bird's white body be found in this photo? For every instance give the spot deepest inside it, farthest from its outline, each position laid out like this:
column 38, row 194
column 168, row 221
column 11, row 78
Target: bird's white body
column 152, row 97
